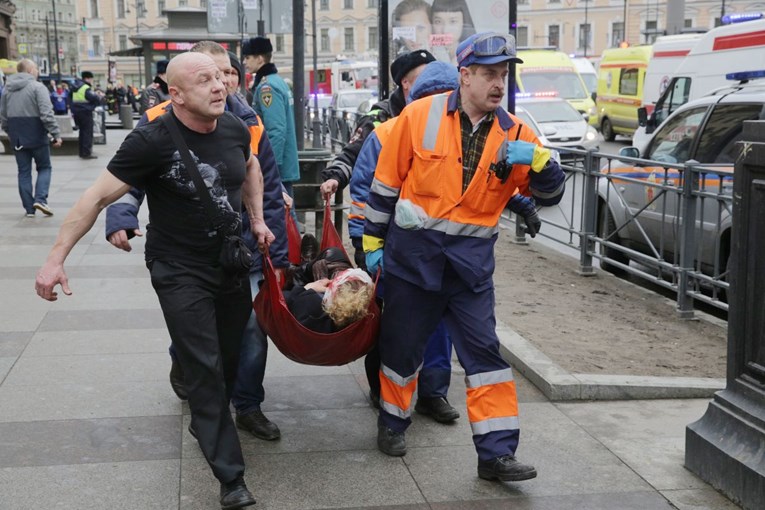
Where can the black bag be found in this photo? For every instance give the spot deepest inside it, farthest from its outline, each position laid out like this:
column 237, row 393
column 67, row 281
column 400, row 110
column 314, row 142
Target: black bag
column 235, row 257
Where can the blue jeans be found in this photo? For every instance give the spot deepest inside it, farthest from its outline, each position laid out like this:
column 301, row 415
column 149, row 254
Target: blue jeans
column 248, row 391
column 41, row 157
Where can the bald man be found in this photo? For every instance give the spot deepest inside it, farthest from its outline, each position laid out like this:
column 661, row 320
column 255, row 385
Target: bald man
column 205, row 308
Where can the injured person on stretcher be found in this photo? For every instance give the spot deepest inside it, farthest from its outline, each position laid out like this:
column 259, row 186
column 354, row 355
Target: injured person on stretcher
column 327, row 294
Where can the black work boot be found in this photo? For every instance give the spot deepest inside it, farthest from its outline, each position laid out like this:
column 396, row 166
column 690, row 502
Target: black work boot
column 437, row 408
column 258, row 425
column 176, row 380
column 505, row 468
column 234, row 494
column 390, row 442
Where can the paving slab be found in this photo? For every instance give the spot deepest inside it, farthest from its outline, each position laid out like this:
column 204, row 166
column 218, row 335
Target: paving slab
column 65, row 442
column 100, row 341
column 314, row 392
column 699, row 499
column 115, row 320
column 146, row 485
column 13, row 343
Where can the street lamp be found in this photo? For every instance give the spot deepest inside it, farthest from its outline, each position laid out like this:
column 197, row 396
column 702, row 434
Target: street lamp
column 55, row 35
column 586, row 28
column 138, row 7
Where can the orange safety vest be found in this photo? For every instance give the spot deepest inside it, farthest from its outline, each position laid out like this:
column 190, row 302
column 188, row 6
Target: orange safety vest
column 256, row 132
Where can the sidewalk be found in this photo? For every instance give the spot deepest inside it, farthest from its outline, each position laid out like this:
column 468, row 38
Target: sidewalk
column 88, row 420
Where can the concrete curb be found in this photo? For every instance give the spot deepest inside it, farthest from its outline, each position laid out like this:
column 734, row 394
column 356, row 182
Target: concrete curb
column 559, row 385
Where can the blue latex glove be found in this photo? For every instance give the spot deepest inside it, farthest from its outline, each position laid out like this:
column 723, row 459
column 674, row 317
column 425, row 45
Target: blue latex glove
column 520, row 152
column 525, row 208
column 374, row 260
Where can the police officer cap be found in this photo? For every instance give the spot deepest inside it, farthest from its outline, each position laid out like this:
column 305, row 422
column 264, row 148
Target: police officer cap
column 162, row 66
column 86, row 75
column 405, row 63
column 257, row 46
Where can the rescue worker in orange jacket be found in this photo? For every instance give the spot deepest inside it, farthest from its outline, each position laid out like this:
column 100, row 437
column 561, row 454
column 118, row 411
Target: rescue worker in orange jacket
column 451, row 164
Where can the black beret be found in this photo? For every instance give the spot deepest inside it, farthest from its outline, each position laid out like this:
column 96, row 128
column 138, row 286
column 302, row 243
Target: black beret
column 405, row 63
column 87, row 74
column 162, row 66
column 257, row 46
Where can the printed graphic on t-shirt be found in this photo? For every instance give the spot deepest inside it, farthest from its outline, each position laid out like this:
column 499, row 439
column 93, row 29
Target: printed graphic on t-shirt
column 180, row 179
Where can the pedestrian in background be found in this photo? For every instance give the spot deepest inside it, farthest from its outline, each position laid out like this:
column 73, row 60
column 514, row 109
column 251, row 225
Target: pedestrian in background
column 60, row 99
column 272, row 100
column 84, row 101
column 26, row 114
column 156, row 92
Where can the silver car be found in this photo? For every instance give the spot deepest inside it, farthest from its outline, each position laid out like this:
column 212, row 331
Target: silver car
column 557, row 123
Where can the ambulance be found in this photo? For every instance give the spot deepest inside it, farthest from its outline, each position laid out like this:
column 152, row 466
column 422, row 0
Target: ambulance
column 721, row 53
column 620, row 89
column 668, row 52
column 549, row 70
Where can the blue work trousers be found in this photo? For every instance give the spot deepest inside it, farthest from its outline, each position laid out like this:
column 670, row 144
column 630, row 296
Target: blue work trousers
column 411, row 314
column 38, row 194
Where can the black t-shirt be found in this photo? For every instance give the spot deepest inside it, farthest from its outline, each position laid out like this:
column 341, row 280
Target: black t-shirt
column 179, row 226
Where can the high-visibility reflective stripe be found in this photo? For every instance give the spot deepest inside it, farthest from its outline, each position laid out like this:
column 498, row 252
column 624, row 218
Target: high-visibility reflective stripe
column 157, row 110
column 459, row 229
column 394, row 377
column 383, row 189
column 128, row 199
column 256, row 132
column 396, row 411
column 483, row 379
column 376, row 216
column 492, row 401
column 494, row 425
column 430, row 136
column 551, row 194
column 357, row 209
column 396, row 391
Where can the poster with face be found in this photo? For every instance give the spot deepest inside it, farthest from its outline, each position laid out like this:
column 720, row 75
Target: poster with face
column 440, row 25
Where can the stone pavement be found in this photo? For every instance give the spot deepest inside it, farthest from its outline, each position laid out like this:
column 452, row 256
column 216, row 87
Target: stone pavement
column 88, row 420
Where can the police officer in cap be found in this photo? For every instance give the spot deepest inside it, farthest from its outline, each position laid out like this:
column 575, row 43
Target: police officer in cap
column 84, row 101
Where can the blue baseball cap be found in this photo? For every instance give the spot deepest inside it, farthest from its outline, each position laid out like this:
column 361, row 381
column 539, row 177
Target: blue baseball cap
column 487, row 48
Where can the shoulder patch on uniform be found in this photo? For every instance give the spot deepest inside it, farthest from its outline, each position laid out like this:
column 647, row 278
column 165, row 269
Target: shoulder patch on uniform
column 266, row 98
column 265, row 88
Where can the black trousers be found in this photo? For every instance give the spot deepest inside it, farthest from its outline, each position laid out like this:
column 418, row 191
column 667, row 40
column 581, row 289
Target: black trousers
column 84, row 120
column 206, row 312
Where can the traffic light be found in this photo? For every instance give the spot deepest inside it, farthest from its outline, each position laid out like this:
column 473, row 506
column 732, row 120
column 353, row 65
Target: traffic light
column 83, row 26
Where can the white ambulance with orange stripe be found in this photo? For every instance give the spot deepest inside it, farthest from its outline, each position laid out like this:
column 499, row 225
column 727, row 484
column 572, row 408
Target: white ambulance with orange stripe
column 668, row 52
column 620, row 89
column 723, row 51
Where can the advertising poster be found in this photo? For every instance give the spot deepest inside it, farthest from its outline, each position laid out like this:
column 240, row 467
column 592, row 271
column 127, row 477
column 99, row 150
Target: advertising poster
column 241, row 16
column 440, row 25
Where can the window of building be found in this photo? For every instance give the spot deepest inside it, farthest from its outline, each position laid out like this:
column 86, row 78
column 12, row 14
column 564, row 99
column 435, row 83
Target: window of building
column 553, row 36
column 203, row 4
column 93, row 8
column 324, row 5
column 688, row 23
column 160, row 7
column 120, row 8
column 372, row 35
column 324, row 40
column 347, row 4
column 279, row 43
column 372, row 4
column 584, row 36
column 650, row 31
column 348, row 39
column 553, row 1
column 96, row 45
column 718, row 22
column 617, row 33
column 183, row 3
column 123, row 42
column 522, row 36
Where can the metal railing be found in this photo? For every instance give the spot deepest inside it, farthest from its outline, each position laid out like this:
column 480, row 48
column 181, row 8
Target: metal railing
column 674, row 225
column 671, row 228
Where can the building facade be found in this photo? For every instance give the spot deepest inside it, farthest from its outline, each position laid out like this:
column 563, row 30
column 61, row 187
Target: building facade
column 35, row 29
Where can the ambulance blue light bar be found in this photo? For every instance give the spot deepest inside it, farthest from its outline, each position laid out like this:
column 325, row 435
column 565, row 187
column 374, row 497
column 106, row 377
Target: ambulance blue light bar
column 522, row 95
column 741, row 17
column 745, row 75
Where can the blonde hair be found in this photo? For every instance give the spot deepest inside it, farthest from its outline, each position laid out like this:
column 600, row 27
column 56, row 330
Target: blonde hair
column 349, row 301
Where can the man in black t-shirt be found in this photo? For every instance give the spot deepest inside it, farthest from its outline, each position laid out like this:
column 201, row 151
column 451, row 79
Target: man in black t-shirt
column 205, row 309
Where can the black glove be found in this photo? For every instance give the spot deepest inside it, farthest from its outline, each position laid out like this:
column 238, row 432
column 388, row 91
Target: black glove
column 525, row 207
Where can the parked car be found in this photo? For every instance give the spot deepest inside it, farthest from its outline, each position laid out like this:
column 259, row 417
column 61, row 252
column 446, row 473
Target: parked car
column 349, row 100
column 646, row 218
column 323, row 101
column 557, row 123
